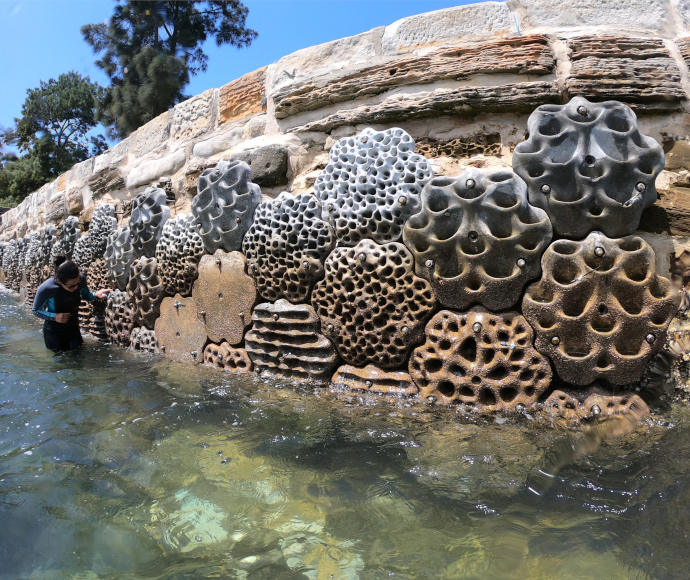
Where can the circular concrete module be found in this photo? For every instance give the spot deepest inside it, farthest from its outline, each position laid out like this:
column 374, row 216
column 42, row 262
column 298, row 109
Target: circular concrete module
column 180, row 333
column 477, row 239
column 600, row 311
column 225, row 296
column 589, row 167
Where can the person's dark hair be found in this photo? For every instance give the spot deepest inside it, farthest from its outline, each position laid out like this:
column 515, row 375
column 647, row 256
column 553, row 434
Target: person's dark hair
column 67, row 271
column 58, row 261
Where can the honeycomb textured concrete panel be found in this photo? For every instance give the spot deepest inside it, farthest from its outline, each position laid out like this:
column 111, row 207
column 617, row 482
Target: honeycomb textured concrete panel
column 178, row 253
column 67, row 236
column 146, row 291
column 577, row 407
column 477, row 239
column 371, row 185
column 150, row 211
column 285, row 342
column 372, row 379
column 227, row 358
column 589, row 167
column 143, row 339
column 371, row 304
column 482, row 360
column 119, row 317
column 600, row 311
column 286, row 245
column 119, row 255
column 224, row 205
column 92, row 245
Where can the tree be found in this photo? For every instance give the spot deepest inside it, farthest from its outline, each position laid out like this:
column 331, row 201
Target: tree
column 150, row 49
column 52, row 134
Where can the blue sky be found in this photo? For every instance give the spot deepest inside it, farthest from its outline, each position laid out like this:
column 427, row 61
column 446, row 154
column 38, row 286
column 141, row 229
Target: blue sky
column 41, row 38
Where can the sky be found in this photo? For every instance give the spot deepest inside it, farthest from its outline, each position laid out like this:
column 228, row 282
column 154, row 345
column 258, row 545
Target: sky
column 41, row 39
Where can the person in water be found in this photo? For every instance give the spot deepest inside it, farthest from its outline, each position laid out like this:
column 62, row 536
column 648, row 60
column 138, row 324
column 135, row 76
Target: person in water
column 57, row 303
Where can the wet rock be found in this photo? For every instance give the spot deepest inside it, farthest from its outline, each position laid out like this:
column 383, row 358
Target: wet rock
column 374, row 380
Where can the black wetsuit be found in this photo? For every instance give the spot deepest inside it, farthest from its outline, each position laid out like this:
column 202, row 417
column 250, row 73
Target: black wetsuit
column 51, row 298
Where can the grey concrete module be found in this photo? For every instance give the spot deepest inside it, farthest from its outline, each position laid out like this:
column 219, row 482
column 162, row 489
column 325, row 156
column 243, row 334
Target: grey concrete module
column 150, row 211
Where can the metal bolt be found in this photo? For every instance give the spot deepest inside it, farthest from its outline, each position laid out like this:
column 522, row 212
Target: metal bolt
column 520, row 408
column 402, row 200
column 521, row 263
column 405, row 329
column 546, row 189
column 278, row 203
column 329, row 207
column 203, row 313
column 641, row 187
column 431, row 399
column 362, row 257
column 305, row 265
column 650, row 338
column 582, row 110
column 368, row 384
column 477, row 327
column 218, row 262
column 194, row 353
column 596, row 410
column 242, row 316
column 162, row 348
column 276, row 316
column 473, row 236
column 599, row 251
column 220, row 357
column 470, row 183
column 555, row 341
column 429, row 263
column 238, row 220
column 329, row 328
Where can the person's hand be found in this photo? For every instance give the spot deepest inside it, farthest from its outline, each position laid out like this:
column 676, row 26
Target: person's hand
column 63, row 317
column 103, row 292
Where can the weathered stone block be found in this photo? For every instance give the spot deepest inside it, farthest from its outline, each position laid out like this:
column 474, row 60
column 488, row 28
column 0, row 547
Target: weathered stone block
column 56, row 208
column 670, row 214
column 243, row 96
column 149, row 136
column 75, row 201
column 482, row 19
column 192, row 117
column 269, row 164
column 149, row 171
column 106, row 180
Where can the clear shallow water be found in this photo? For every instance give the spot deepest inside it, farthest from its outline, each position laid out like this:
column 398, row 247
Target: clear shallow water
column 119, row 465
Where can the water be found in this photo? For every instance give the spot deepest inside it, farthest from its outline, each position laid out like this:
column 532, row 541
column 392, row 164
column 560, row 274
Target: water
column 119, row 465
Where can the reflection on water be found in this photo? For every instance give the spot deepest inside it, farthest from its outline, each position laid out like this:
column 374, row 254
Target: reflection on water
column 119, row 465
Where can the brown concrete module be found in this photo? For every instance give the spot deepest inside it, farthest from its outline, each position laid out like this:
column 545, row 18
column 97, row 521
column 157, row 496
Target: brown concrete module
column 224, row 295
column 97, row 277
column 223, row 356
column 574, row 407
column 670, row 214
column 178, row 253
column 488, row 144
column 600, row 311
column 482, row 360
column 106, row 180
column 285, row 342
column 243, row 96
column 180, row 333
column 528, row 55
column 463, row 101
column 374, row 380
column 634, row 70
column 371, row 304
column 143, row 339
column 286, row 245
column 119, row 317
column 477, row 239
column 146, row 291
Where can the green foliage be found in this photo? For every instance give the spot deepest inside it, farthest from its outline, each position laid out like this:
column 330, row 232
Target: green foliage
column 52, row 134
column 150, row 49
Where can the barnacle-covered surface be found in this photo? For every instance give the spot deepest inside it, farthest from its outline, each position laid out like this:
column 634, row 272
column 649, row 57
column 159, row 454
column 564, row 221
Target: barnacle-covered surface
column 119, row 255
column 477, row 239
column 178, row 253
column 179, row 331
column 66, row 237
column 286, row 245
column 119, row 317
column 150, row 211
column 371, row 185
column 32, row 267
column 371, row 304
column 225, row 296
column 574, row 407
column 144, row 339
column 589, row 167
column 483, row 360
column 13, row 259
column 600, row 311
column 92, row 314
column 224, row 205
column 145, row 289
column 227, row 358
column 47, row 241
column 284, row 341
column 375, row 380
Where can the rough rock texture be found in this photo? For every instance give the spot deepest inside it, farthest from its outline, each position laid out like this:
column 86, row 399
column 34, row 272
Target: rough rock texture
column 225, row 296
column 600, row 311
column 243, row 96
column 178, row 252
column 634, row 70
column 225, row 357
column 32, row 267
column 97, row 277
column 483, row 360
column 106, row 180
column 143, row 339
column 488, row 144
column 371, row 185
column 284, row 341
column 529, row 55
column 286, row 245
column 150, row 211
column 119, row 255
column 670, row 214
column 119, row 317
column 224, row 205
column 374, row 380
column 371, row 304
column 269, row 164
column 574, row 407
column 192, row 117
column 56, row 209
column 146, row 291
column 67, row 235
column 179, row 331
column 589, row 167
column 477, row 239
column 92, row 246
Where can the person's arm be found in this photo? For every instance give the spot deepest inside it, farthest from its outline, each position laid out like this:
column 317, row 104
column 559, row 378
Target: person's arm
column 44, row 304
